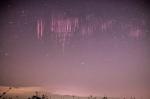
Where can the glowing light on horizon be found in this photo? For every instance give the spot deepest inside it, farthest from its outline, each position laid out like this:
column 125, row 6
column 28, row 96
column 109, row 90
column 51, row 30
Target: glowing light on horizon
column 20, row 90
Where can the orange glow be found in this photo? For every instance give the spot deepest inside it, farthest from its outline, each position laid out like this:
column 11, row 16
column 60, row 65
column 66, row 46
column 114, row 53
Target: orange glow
column 20, row 90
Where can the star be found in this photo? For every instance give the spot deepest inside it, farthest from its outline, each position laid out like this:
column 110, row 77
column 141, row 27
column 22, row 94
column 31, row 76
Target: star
column 6, row 54
column 82, row 63
column 46, row 55
column 23, row 13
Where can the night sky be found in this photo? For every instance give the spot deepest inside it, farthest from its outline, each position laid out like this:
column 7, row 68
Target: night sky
column 80, row 47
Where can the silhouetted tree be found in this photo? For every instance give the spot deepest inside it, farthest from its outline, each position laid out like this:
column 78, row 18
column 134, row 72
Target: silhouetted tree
column 105, row 97
column 73, row 97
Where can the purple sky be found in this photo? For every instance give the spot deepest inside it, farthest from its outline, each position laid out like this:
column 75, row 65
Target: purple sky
column 82, row 47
